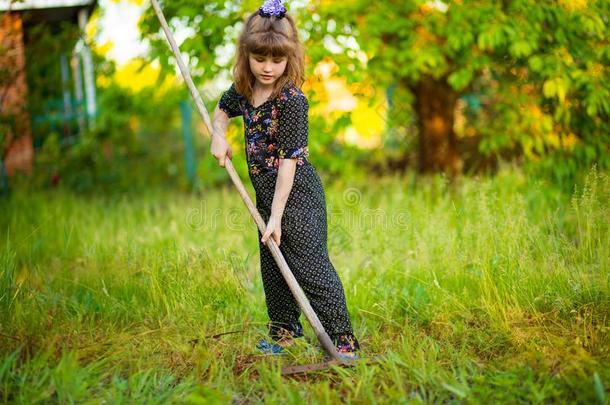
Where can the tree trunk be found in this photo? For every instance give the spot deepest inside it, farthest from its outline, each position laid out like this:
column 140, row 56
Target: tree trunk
column 435, row 104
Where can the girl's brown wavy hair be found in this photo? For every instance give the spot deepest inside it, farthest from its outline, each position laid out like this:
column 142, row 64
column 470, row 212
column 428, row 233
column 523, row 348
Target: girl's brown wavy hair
column 269, row 36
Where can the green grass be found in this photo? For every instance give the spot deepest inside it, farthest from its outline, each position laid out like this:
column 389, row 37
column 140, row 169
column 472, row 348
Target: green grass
column 497, row 289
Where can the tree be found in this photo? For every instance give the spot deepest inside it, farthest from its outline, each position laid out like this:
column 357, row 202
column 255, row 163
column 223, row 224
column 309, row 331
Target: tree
column 557, row 53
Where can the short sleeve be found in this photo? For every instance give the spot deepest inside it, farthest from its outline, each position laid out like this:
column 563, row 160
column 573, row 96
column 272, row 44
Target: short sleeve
column 229, row 103
column 293, row 128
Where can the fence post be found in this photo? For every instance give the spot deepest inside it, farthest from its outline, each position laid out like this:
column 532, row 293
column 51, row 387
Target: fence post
column 187, row 136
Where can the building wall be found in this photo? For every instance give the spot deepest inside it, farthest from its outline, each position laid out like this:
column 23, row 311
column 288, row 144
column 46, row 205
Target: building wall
column 19, row 156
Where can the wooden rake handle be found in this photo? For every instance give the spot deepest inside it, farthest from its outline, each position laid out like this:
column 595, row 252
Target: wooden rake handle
column 294, row 286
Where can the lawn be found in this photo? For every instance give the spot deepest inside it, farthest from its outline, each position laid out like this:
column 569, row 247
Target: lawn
column 496, row 289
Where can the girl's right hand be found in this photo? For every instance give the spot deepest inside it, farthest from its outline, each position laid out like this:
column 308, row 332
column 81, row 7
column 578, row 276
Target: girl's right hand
column 221, row 149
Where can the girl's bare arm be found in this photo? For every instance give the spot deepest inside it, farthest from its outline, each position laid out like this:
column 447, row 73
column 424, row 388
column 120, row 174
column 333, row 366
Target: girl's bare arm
column 220, row 147
column 221, row 122
column 283, row 185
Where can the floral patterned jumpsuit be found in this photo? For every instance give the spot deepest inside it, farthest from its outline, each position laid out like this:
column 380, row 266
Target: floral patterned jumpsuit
column 278, row 128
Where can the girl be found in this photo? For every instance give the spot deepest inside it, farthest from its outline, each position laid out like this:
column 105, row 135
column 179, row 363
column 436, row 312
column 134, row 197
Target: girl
column 289, row 194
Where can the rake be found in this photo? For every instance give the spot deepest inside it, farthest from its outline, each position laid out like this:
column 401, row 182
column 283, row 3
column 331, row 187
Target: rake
column 295, row 288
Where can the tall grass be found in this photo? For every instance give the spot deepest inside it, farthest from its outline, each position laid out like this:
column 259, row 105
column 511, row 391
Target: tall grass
column 494, row 289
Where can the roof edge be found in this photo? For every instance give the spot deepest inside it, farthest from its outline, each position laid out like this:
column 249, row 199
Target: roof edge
column 42, row 4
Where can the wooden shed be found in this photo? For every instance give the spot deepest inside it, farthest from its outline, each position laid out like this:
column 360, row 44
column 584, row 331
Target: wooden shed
column 77, row 89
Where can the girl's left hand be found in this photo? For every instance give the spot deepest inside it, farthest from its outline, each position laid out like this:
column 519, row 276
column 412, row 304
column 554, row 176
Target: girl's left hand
column 274, row 229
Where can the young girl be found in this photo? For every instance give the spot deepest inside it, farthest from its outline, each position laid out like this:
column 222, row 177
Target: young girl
column 289, row 194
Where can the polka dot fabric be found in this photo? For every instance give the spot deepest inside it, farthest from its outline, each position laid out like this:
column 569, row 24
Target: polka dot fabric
column 278, row 129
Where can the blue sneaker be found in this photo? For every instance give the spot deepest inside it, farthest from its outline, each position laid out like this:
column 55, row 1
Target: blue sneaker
column 269, row 348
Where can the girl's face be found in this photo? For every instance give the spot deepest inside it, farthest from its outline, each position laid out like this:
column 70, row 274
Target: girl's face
column 267, row 69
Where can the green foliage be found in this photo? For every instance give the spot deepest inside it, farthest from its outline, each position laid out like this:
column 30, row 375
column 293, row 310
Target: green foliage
column 209, row 24
column 515, row 57
column 533, row 75
column 520, row 54
column 46, row 43
column 136, row 141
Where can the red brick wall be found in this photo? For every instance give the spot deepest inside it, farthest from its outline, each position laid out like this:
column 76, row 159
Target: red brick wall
column 13, row 93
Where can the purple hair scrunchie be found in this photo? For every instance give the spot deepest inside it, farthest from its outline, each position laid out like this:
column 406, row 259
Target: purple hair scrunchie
column 272, row 8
